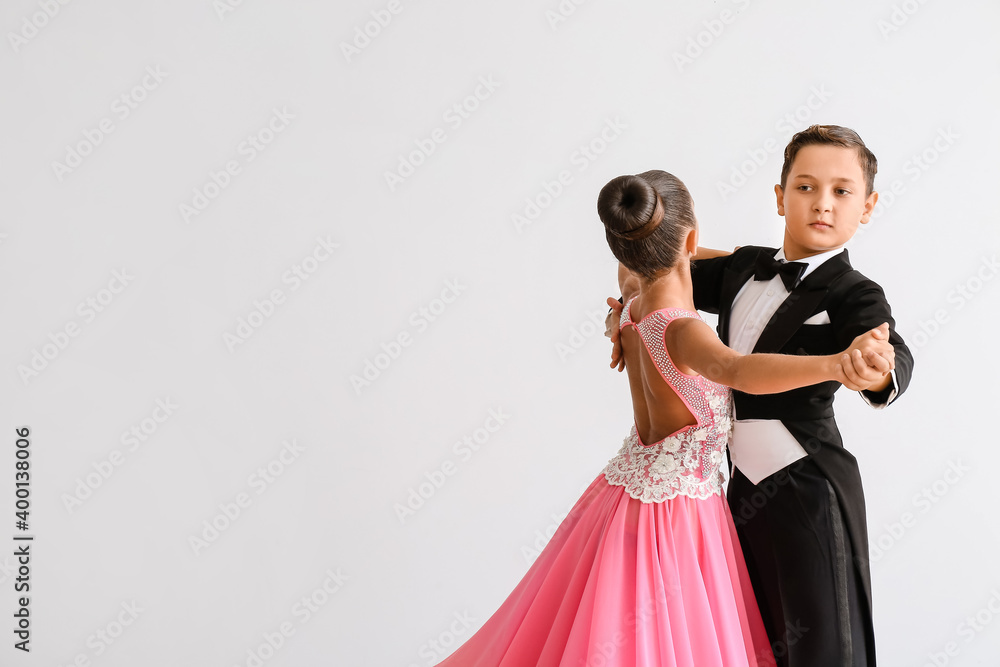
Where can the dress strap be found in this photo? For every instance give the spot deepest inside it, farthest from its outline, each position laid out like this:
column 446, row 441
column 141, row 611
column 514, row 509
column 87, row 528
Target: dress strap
column 652, row 330
column 626, row 317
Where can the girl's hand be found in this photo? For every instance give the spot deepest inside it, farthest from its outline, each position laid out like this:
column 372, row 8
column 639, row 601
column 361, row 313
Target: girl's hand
column 868, row 361
column 629, row 285
column 612, row 330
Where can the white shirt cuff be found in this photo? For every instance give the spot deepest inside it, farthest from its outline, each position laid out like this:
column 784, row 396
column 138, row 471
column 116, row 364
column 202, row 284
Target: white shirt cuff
column 892, row 394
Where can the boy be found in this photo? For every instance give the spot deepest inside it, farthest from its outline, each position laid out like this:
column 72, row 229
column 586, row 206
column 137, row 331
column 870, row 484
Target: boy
column 795, row 492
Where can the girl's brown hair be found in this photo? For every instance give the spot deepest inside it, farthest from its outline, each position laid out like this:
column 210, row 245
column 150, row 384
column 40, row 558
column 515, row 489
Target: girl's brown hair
column 646, row 218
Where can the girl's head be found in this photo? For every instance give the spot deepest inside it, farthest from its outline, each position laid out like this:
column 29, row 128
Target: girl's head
column 647, row 218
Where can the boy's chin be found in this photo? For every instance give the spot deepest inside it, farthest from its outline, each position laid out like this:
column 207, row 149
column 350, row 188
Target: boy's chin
column 814, row 246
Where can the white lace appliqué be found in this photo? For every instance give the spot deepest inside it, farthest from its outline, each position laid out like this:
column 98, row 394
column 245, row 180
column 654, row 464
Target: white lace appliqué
column 687, row 463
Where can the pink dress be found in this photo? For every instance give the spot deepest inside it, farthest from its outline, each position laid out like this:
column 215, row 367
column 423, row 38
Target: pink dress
column 646, row 570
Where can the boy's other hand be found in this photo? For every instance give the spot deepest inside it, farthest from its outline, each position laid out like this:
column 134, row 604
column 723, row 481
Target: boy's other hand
column 612, row 329
column 868, row 361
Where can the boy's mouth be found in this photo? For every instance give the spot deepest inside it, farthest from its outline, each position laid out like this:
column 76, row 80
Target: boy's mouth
column 819, row 224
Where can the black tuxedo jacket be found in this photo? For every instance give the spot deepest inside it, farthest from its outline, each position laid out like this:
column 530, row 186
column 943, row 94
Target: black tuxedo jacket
column 854, row 304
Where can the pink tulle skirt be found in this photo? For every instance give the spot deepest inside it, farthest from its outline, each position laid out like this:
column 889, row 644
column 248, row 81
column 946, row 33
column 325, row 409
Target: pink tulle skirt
column 625, row 583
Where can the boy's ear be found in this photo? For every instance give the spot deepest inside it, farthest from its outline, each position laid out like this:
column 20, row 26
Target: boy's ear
column 866, row 215
column 780, row 194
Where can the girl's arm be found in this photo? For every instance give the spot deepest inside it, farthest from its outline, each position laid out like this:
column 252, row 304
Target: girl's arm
column 692, row 344
column 709, row 253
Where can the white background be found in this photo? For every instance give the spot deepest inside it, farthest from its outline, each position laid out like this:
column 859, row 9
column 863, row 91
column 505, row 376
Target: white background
column 917, row 81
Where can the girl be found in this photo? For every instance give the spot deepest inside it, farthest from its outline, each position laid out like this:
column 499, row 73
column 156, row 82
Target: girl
column 646, row 568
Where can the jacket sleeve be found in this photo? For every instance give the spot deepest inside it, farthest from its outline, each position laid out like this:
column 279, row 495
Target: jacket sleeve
column 706, row 278
column 863, row 308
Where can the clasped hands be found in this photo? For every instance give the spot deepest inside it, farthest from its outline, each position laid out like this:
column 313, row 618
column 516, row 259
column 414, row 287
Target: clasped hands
column 867, row 362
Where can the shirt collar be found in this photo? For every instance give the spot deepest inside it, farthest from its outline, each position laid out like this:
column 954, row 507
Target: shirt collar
column 812, row 263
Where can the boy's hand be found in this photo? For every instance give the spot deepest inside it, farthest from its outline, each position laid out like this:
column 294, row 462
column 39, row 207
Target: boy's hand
column 867, row 362
column 612, row 329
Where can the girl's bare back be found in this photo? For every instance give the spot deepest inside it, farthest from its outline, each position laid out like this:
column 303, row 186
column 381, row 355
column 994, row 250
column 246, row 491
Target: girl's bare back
column 659, row 410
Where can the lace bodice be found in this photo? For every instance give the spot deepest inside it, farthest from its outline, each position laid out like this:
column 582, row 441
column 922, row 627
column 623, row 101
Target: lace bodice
column 688, row 461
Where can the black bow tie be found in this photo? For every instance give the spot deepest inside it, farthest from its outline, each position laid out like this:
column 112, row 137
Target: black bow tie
column 790, row 272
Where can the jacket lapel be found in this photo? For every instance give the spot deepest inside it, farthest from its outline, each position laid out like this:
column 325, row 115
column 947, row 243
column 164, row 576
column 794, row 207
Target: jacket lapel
column 734, row 279
column 801, row 303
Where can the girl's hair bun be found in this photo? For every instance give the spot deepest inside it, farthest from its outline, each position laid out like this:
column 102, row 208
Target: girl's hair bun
column 646, row 220
column 630, row 208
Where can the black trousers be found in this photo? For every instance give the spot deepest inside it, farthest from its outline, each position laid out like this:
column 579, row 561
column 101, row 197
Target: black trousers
column 801, row 565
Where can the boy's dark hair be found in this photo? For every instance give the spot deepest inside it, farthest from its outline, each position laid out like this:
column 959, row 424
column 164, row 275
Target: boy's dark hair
column 646, row 218
column 831, row 135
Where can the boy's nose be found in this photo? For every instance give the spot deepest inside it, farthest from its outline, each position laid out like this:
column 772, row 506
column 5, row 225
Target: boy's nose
column 822, row 203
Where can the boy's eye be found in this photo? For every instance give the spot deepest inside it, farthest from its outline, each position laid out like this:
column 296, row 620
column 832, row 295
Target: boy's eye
column 805, row 188
column 842, row 191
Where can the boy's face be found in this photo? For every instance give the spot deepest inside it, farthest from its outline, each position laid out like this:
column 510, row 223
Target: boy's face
column 823, row 201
